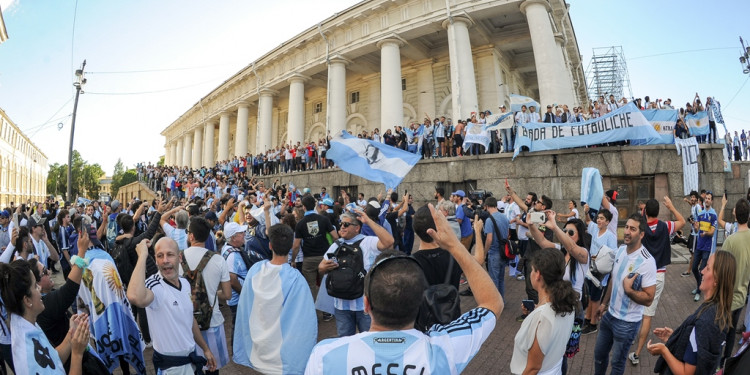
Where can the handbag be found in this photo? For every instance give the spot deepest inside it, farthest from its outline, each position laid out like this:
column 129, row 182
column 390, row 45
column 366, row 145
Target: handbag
column 575, row 339
column 441, row 303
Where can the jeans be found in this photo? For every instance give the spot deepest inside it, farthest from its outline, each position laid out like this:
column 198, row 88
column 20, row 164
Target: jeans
column 699, row 262
column 614, row 335
column 496, row 267
column 347, row 322
column 507, row 140
column 408, row 240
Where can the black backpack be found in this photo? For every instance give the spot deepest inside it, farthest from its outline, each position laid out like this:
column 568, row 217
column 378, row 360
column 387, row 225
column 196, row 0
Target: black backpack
column 441, row 303
column 347, row 281
column 122, row 260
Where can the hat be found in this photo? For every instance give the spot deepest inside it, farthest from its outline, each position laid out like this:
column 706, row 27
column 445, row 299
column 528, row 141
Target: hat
column 210, row 215
column 459, row 193
column 4, row 214
column 231, row 228
column 306, row 190
column 35, row 221
column 374, row 203
column 328, row 202
column 115, row 205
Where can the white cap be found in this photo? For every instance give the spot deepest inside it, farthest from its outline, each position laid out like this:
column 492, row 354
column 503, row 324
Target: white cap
column 231, row 228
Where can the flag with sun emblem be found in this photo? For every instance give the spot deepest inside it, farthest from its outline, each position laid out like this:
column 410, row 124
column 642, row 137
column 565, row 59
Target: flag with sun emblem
column 113, row 326
column 698, row 123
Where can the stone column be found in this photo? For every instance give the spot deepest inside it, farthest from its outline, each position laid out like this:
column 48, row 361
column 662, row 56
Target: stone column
column 167, row 153
column 336, row 111
column 224, row 136
column 463, row 82
column 179, row 153
column 208, row 149
column 198, row 148
column 187, row 150
column 173, row 159
column 554, row 87
column 265, row 116
column 240, row 133
column 296, row 123
column 391, row 95
column 426, row 91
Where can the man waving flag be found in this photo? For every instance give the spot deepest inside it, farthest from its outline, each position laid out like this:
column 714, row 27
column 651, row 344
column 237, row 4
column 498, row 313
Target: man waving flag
column 371, row 160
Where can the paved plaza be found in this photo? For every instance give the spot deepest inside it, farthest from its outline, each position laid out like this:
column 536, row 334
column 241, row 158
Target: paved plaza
column 494, row 357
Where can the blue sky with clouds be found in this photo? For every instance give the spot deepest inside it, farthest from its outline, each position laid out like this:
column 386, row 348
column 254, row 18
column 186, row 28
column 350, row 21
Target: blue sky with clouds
column 207, row 42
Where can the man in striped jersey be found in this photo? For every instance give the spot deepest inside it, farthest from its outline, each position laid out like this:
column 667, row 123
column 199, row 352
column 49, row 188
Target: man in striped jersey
column 393, row 294
column 623, row 303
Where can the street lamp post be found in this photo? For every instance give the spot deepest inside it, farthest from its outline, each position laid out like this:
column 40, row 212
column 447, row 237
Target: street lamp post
column 78, row 84
column 745, row 57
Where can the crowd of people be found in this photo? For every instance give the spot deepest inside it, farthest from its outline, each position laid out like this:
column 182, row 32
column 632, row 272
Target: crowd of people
column 276, row 255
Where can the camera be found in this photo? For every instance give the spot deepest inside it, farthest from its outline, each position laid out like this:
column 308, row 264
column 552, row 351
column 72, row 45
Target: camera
column 479, row 195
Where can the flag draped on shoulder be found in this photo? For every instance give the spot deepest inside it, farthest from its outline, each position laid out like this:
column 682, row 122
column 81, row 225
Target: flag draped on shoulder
column 516, row 101
column 371, row 160
column 592, row 190
column 32, row 352
column 276, row 326
column 698, row 123
column 499, row 121
column 113, row 326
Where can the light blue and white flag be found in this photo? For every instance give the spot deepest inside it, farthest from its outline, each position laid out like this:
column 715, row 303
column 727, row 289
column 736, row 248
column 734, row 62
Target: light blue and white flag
column 410, row 134
column 516, row 101
column 663, row 121
column 32, row 352
column 476, row 134
column 112, row 323
column 276, row 326
column 624, row 123
column 499, row 121
column 371, row 160
column 698, row 123
column 592, row 190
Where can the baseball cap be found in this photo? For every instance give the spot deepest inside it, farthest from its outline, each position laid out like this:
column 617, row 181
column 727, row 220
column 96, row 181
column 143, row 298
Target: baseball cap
column 115, row 204
column 231, row 228
column 4, row 214
column 459, row 193
column 328, row 202
column 35, row 221
column 210, row 215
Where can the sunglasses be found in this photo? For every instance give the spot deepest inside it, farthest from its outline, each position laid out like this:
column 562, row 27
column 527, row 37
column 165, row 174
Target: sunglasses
column 570, row 232
column 346, row 224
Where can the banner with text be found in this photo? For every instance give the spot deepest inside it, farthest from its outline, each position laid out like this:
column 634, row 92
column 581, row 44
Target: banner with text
column 663, row 121
column 625, row 123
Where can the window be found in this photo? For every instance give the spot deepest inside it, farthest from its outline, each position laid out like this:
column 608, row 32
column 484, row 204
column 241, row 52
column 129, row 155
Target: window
column 318, row 107
column 354, row 97
column 629, row 192
column 403, row 84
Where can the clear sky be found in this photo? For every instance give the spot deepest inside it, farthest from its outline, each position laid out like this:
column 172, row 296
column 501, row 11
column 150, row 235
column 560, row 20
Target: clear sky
column 150, row 61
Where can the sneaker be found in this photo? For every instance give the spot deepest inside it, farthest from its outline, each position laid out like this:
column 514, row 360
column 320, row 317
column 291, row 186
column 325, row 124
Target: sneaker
column 466, row 292
column 521, row 318
column 695, row 291
column 520, row 278
column 463, row 280
column 685, row 274
column 591, row 328
column 327, row 317
column 697, row 297
column 633, row 358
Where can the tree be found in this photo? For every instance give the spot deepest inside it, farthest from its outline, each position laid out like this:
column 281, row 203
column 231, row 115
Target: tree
column 85, row 178
column 122, row 177
column 160, row 163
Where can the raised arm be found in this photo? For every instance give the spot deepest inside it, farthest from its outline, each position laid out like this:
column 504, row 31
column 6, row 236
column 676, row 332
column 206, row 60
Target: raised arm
column 385, row 240
column 138, row 294
column 580, row 254
column 680, row 220
column 720, row 216
column 520, row 202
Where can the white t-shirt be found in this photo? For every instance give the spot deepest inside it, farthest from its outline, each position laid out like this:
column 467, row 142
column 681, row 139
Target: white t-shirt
column 216, row 271
column 612, row 227
column 575, row 213
column 41, row 250
column 511, row 212
column 370, row 251
column 552, row 332
column 170, row 316
column 443, row 350
column 178, row 235
column 641, row 262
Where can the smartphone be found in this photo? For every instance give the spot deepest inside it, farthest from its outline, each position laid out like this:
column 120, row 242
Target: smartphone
column 537, row 218
column 15, row 220
column 725, row 193
column 528, row 304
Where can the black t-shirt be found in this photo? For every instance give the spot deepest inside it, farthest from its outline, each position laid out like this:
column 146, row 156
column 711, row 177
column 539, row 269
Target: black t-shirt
column 54, row 320
column 434, row 263
column 312, row 231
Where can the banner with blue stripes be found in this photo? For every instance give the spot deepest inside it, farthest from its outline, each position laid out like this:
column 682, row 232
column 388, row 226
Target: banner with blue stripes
column 499, row 121
column 516, row 101
column 371, row 160
column 663, row 121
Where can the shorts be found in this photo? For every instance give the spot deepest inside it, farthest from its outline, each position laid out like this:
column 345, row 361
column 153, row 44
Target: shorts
column 441, row 139
column 651, row 310
column 458, row 140
column 595, row 294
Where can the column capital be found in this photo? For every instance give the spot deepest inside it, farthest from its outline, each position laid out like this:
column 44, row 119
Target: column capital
column 527, row 3
column 243, row 103
column 265, row 91
column 385, row 41
column 338, row 59
column 225, row 114
column 297, row 77
column 459, row 19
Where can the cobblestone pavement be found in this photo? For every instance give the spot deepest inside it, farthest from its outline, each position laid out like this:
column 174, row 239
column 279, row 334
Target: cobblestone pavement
column 494, row 357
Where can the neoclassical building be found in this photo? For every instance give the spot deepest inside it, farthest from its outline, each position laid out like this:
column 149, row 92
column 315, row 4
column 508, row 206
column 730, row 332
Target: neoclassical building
column 23, row 166
column 382, row 63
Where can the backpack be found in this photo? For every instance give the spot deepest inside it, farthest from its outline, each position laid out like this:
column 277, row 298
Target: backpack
column 202, row 310
column 441, row 303
column 347, row 281
column 248, row 259
column 122, row 261
column 112, row 231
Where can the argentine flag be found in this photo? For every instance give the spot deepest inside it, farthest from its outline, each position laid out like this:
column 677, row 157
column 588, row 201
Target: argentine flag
column 371, row 160
column 410, row 134
column 499, row 121
column 663, row 121
column 516, row 101
column 698, row 123
column 276, row 325
column 592, row 190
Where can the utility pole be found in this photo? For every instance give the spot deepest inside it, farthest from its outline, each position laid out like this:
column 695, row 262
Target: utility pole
column 78, row 85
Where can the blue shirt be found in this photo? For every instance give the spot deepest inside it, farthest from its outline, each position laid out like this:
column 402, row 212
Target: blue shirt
column 503, row 226
column 465, row 221
column 707, row 220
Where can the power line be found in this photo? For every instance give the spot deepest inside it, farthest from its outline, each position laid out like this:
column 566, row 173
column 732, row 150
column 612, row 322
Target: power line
column 737, row 93
column 678, row 52
column 50, row 118
column 159, row 70
column 150, row 92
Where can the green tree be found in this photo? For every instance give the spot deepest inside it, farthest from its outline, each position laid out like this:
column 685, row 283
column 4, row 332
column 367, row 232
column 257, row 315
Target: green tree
column 122, row 177
column 85, row 178
column 160, row 163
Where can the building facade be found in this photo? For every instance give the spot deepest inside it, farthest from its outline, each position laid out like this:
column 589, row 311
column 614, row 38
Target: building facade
column 383, row 63
column 23, row 166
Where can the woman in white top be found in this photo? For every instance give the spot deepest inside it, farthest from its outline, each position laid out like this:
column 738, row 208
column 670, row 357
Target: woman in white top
column 573, row 212
column 540, row 343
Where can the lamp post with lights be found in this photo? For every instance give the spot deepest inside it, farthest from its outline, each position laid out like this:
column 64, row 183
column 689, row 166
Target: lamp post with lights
column 78, row 85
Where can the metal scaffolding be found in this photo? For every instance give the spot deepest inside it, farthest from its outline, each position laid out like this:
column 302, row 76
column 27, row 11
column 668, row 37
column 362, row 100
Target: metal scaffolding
column 607, row 73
